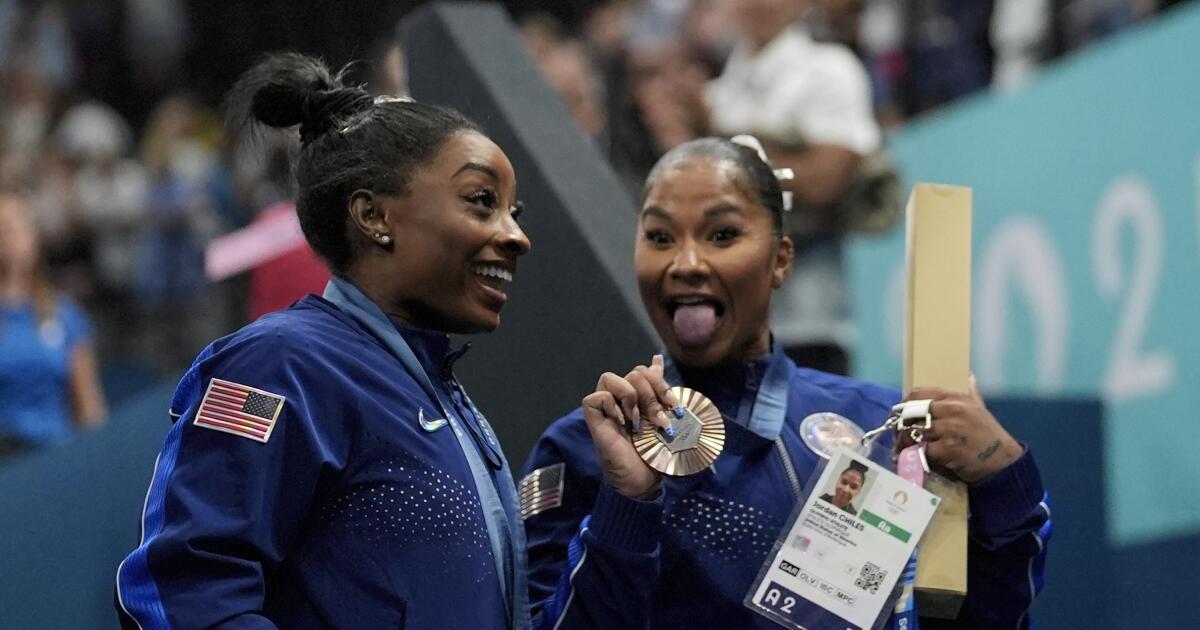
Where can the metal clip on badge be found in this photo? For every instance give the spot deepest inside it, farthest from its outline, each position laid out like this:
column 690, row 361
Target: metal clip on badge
column 912, row 416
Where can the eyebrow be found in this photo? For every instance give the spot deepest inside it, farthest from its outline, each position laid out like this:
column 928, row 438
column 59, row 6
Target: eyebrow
column 709, row 214
column 655, row 211
column 476, row 166
column 724, row 208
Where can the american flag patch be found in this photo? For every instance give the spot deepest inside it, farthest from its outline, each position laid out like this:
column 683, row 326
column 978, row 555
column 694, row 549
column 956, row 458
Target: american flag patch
column 541, row 490
column 238, row 409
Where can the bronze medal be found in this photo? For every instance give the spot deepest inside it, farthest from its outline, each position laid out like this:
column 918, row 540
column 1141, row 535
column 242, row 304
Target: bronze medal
column 698, row 440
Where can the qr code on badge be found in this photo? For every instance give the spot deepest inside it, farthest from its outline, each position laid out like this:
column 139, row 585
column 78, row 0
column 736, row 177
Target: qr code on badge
column 870, row 577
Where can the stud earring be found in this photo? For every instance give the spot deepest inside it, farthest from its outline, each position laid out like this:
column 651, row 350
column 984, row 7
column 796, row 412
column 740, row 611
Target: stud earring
column 383, row 239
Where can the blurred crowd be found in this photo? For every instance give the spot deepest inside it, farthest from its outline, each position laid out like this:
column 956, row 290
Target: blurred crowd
column 819, row 83
column 115, row 142
column 125, row 201
column 630, row 69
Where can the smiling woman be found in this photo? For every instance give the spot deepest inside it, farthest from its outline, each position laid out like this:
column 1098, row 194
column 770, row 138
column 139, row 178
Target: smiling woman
column 309, row 479
column 449, row 241
column 646, row 551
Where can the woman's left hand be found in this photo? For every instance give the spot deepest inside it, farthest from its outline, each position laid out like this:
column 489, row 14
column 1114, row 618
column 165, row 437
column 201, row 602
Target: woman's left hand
column 966, row 440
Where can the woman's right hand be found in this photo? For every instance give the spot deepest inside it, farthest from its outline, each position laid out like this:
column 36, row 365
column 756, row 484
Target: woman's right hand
column 642, row 395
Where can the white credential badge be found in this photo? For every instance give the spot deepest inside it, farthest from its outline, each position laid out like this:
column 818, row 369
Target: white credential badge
column 842, row 555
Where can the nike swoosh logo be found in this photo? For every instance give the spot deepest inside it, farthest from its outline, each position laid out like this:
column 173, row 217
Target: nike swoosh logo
column 429, row 425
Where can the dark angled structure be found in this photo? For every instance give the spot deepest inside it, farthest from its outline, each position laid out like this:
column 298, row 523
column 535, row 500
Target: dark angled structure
column 574, row 310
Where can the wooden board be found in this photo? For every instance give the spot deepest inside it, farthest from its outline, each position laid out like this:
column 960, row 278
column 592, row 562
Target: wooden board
column 937, row 350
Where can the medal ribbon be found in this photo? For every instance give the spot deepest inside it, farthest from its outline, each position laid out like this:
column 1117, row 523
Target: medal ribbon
column 770, row 403
column 912, row 416
column 911, row 467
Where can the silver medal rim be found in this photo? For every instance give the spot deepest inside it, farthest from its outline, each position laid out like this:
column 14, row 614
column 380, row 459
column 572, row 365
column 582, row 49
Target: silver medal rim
column 822, row 418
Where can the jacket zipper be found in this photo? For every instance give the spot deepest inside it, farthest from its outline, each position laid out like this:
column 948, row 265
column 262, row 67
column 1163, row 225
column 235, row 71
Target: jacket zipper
column 788, row 468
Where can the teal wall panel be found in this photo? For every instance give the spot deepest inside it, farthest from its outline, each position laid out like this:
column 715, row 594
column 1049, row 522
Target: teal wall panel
column 1086, row 253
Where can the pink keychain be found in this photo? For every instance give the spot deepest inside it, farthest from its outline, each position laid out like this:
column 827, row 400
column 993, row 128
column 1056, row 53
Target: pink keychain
column 916, row 419
column 911, row 464
column 912, row 416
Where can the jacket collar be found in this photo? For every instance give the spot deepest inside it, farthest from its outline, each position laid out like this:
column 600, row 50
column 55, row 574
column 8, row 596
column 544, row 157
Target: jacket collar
column 770, row 397
column 432, row 348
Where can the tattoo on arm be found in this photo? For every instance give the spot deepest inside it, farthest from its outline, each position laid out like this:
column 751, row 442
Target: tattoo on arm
column 989, row 451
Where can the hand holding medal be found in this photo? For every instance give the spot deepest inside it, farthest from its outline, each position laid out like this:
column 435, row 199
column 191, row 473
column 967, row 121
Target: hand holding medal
column 642, row 408
column 691, row 443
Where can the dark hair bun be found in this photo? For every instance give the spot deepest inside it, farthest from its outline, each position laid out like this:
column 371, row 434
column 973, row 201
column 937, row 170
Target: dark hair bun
column 288, row 89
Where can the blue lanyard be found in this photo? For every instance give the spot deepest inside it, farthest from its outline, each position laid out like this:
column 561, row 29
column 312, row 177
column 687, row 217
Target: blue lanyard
column 476, row 424
column 766, row 417
column 904, row 615
column 498, row 500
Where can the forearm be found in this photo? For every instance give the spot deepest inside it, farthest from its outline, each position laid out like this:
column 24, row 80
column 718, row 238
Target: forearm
column 613, row 565
column 87, row 401
column 1010, row 530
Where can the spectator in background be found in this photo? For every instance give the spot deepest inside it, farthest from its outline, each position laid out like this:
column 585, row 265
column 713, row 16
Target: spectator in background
column 156, row 34
column 626, row 140
column 48, row 374
column 390, row 77
column 181, row 217
column 65, row 238
column 566, row 66
column 1078, row 23
column 103, row 199
column 35, row 37
column 667, row 84
column 110, row 188
column 1019, row 34
column 280, row 280
column 542, row 34
column 618, row 77
column 25, row 116
column 810, row 104
column 571, row 73
column 945, row 48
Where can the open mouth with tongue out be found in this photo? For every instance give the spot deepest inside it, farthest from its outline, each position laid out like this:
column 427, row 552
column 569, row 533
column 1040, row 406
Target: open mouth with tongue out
column 695, row 319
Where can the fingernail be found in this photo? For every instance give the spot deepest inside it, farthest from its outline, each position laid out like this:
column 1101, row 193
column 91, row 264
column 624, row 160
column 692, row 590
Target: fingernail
column 670, row 430
column 679, row 411
column 637, row 424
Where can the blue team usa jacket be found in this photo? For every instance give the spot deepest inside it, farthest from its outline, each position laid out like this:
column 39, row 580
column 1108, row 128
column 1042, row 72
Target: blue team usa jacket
column 687, row 561
column 327, row 471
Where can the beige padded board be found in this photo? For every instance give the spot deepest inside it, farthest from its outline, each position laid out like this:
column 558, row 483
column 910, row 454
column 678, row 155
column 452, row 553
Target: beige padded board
column 937, row 349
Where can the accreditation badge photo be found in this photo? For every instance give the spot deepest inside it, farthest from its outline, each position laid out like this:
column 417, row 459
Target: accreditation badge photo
column 839, row 559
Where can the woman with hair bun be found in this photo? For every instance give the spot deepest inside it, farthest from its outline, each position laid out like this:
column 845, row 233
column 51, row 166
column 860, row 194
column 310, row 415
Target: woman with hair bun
column 325, row 468
column 623, row 546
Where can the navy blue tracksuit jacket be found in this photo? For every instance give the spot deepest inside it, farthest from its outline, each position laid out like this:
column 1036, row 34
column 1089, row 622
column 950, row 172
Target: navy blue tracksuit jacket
column 360, row 509
column 687, row 561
